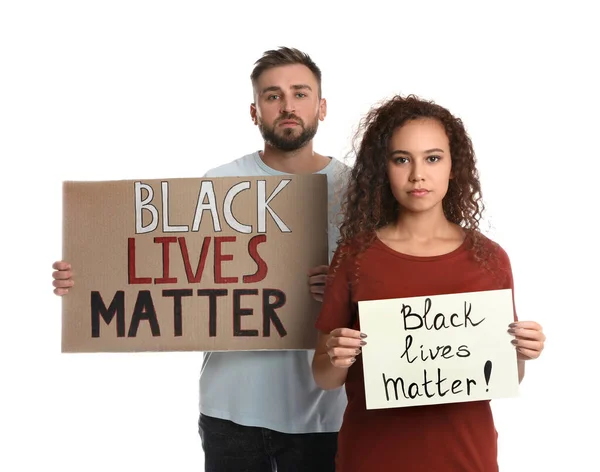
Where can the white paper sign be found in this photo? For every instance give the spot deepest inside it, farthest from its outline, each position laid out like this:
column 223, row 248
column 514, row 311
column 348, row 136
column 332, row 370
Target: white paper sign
column 438, row 349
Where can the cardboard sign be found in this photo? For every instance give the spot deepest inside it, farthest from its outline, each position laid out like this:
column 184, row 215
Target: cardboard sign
column 193, row 264
column 438, row 349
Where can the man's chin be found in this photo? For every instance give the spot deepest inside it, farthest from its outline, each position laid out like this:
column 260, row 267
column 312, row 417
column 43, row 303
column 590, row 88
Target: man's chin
column 289, row 139
column 285, row 132
column 289, row 146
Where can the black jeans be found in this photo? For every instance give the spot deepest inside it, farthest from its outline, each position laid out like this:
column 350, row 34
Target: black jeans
column 230, row 447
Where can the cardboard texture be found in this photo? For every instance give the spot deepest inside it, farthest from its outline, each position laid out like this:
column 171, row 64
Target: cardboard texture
column 193, row 264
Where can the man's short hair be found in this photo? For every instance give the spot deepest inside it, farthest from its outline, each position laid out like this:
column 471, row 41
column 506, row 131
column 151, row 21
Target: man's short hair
column 284, row 56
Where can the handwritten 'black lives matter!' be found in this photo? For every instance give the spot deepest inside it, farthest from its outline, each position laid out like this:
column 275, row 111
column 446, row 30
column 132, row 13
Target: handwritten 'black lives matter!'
column 438, row 349
column 193, row 264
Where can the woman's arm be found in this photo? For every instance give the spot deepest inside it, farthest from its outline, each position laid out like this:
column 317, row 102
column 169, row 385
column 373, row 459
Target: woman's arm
column 334, row 354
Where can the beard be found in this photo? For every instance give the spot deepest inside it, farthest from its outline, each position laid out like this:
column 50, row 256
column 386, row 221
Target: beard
column 286, row 139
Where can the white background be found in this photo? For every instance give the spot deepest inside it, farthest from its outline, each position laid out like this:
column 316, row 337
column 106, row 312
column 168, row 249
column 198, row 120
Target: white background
column 147, row 89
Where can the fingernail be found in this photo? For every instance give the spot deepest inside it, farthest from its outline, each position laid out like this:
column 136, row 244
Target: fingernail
column 513, row 325
column 357, row 352
column 353, row 360
column 515, row 342
column 363, row 335
column 363, row 343
column 511, row 331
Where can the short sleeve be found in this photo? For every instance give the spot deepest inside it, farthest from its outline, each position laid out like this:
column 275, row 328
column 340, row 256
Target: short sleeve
column 336, row 308
column 506, row 267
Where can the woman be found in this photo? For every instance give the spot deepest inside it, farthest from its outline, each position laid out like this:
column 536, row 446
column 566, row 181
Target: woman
column 410, row 228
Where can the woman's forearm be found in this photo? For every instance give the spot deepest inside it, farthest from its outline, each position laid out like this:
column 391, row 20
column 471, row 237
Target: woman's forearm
column 326, row 375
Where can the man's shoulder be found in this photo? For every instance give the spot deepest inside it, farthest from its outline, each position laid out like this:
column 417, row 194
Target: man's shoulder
column 342, row 161
column 339, row 173
column 242, row 166
column 338, row 164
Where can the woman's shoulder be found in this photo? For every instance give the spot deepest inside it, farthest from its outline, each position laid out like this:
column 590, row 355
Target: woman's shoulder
column 490, row 243
column 357, row 244
column 491, row 249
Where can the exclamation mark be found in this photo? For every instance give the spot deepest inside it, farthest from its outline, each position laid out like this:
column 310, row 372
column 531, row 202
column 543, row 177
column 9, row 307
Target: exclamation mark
column 487, row 372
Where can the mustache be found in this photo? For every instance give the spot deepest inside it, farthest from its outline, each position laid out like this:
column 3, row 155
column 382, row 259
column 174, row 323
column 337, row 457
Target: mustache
column 289, row 116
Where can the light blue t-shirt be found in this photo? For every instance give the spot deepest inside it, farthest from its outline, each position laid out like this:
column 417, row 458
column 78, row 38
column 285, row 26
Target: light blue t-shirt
column 273, row 389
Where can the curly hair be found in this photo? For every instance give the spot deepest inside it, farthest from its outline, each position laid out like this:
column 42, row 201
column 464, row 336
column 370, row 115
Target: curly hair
column 369, row 203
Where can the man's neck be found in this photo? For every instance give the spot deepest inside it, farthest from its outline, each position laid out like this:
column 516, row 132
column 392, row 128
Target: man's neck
column 300, row 161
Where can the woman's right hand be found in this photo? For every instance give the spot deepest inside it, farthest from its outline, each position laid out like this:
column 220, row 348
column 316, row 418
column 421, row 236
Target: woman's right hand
column 343, row 345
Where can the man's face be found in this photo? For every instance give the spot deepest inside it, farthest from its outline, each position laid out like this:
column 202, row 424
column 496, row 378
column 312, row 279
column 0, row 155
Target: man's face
column 287, row 107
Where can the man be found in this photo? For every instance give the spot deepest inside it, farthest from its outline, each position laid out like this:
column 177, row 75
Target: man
column 261, row 410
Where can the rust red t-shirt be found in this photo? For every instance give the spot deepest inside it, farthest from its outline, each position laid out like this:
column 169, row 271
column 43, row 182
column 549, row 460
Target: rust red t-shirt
column 455, row 437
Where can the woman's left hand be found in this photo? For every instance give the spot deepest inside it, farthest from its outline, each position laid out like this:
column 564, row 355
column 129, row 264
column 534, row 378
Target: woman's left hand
column 529, row 339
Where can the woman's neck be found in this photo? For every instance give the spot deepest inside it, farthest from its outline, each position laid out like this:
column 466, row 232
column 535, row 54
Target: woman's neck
column 423, row 226
column 421, row 234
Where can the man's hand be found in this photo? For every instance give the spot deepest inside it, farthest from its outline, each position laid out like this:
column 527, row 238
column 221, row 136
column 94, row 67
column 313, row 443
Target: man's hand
column 62, row 277
column 316, row 281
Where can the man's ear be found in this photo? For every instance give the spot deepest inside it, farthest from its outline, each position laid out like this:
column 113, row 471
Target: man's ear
column 253, row 113
column 322, row 109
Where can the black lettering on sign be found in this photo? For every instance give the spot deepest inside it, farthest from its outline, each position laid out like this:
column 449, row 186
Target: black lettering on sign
column 212, row 295
column 177, row 310
column 238, row 312
column 117, row 306
column 144, row 310
column 269, row 314
column 413, row 320
column 426, row 354
column 399, row 387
